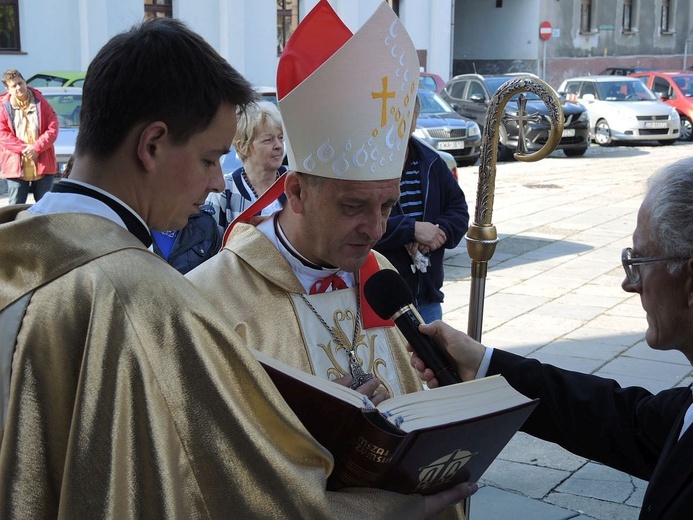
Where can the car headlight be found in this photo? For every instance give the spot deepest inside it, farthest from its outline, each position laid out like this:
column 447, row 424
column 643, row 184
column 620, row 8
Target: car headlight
column 420, row 133
column 674, row 115
column 583, row 117
column 473, row 129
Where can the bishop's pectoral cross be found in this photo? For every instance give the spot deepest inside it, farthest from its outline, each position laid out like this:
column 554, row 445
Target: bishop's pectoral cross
column 522, row 118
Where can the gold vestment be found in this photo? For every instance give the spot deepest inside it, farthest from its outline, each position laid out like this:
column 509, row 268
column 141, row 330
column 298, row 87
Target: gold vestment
column 254, row 286
column 131, row 397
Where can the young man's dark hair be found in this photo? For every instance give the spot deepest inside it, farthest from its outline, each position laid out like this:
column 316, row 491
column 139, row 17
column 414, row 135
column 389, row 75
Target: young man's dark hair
column 131, row 81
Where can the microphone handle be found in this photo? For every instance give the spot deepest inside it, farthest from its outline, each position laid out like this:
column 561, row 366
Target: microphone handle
column 408, row 323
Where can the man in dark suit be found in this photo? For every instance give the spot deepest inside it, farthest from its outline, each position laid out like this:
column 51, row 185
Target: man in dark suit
column 646, row 435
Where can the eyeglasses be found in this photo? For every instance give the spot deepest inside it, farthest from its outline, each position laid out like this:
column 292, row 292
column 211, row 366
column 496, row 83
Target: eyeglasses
column 630, row 264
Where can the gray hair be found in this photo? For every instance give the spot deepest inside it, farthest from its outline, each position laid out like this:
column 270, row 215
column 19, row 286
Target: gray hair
column 671, row 218
column 255, row 115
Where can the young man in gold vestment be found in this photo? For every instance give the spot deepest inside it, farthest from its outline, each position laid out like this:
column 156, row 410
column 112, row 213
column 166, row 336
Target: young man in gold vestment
column 123, row 392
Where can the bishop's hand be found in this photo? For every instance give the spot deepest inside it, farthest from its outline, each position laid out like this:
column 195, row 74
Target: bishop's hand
column 369, row 388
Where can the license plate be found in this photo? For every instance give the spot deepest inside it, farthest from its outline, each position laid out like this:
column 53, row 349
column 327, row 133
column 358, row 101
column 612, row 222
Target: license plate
column 569, row 132
column 451, row 145
column 655, row 124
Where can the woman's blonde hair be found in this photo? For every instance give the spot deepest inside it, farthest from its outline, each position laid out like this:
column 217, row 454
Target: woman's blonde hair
column 249, row 120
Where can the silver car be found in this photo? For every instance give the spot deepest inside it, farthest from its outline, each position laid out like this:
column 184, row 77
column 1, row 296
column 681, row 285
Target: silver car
column 67, row 103
column 622, row 108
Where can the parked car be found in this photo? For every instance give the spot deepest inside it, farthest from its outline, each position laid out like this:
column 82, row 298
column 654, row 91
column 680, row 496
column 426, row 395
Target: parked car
column 57, row 78
column 470, row 95
column 448, row 158
column 431, row 81
column 621, row 71
column 623, row 109
column 67, row 103
column 676, row 90
column 266, row 94
column 444, row 129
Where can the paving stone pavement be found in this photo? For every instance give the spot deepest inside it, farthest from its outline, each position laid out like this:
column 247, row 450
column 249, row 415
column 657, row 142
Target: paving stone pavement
column 553, row 293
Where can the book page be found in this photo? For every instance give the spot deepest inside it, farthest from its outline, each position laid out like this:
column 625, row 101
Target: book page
column 451, row 403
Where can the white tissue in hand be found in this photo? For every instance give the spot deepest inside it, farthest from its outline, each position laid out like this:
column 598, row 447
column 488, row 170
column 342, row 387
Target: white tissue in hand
column 421, row 261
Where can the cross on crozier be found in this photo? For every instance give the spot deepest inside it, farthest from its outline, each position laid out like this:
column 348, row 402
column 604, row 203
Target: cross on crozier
column 522, row 118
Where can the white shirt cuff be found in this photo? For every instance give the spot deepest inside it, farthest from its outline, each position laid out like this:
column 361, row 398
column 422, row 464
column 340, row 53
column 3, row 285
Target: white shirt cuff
column 485, row 362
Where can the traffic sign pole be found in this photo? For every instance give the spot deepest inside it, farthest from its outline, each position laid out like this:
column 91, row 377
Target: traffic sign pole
column 545, row 32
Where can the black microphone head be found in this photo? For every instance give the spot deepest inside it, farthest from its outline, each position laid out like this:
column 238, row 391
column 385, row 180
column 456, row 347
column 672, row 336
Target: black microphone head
column 387, row 292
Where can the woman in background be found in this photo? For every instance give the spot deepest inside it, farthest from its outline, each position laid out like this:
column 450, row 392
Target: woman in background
column 259, row 142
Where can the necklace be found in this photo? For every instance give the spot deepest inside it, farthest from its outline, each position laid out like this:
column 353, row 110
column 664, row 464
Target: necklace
column 360, row 377
column 250, row 185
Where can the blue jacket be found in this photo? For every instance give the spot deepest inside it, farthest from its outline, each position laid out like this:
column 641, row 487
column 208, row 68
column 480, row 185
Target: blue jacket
column 198, row 241
column 445, row 205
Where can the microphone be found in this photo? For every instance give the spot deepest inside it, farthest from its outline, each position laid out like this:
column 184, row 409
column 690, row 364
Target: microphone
column 388, row 295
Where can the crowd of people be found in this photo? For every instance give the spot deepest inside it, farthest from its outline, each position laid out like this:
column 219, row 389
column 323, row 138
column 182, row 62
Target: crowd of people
column 141, row 398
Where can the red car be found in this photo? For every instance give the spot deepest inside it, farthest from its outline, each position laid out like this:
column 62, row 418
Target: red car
column 431, row 81
column 675, row 89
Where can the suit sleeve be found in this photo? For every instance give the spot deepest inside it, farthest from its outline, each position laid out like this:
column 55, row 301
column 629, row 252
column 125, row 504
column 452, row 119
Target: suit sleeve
column 400, row 231
column 594, row 417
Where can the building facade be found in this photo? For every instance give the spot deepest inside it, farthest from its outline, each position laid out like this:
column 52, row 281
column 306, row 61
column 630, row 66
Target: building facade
column 587, row 36
column 39, row 35
column 452, row 36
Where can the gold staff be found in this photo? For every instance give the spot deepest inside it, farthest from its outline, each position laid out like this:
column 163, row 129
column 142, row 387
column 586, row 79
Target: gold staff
column 481, row 236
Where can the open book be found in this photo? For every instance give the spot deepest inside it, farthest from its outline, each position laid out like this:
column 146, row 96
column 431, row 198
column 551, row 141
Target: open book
column 416, row 443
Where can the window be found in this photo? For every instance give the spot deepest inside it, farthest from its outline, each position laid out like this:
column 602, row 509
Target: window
column 158, row 9
column 9, row 25
column 627, row 15
column 476, row 89
column 287, row 20
column 662, row 88
column 666, row 24
column 588, row 88
column 456, row 90
column 572, row 87
column 586, row 16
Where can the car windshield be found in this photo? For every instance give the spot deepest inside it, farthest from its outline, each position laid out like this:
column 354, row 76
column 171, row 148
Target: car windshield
column 44, row 80
column 621, row 90
column 68, row 108
column 432, row 103
column 494, row 84
column 685, row 83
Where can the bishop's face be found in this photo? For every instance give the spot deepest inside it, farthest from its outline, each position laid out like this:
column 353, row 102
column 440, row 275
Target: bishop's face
column 343, row 220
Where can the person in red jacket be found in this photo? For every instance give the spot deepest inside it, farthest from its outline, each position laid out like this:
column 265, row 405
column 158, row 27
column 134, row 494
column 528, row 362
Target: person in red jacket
column 28, row 129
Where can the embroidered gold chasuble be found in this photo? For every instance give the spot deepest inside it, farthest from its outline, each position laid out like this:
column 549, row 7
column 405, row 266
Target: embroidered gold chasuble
column 258, row 292
column 254, row 285
column 131, row 397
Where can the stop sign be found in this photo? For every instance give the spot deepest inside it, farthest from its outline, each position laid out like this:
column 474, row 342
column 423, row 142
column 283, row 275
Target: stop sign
column 545, row 30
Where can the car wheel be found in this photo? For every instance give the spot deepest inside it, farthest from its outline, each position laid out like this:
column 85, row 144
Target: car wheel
column 602, row 133
column 667, row 142
column 686, row 129
column 575, row 152
column 504, row 153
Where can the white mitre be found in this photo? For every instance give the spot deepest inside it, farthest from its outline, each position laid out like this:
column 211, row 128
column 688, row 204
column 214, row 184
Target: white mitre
column 347, row 100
